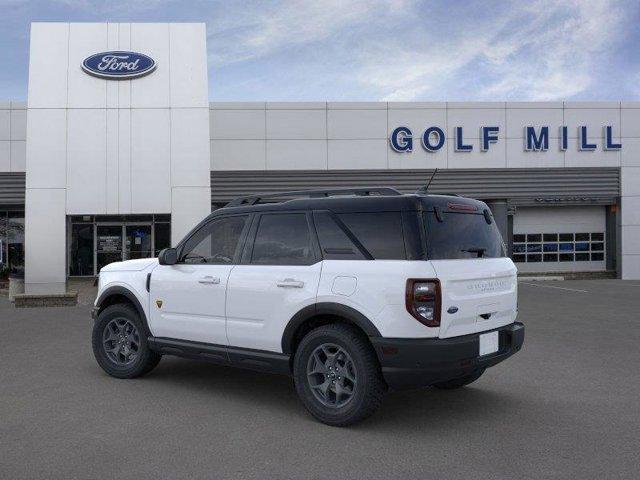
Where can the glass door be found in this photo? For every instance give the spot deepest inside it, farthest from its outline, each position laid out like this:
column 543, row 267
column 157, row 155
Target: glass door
column 108, row 245
column 137, row 242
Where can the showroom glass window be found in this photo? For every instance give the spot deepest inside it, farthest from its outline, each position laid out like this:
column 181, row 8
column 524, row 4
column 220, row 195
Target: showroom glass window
column 12, row 239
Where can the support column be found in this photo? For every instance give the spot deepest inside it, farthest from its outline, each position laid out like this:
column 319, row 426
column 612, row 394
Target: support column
column 45, row 241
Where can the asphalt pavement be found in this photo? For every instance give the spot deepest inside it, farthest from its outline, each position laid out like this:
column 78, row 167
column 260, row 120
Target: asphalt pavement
column 566, row 406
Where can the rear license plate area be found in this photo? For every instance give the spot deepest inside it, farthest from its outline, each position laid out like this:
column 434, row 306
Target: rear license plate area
column 489, row 343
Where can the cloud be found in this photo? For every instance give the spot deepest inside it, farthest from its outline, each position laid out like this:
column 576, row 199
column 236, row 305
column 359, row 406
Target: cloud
column 264, row 28
column 546, row 50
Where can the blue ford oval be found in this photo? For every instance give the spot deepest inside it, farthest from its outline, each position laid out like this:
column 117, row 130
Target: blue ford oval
column 118, row 65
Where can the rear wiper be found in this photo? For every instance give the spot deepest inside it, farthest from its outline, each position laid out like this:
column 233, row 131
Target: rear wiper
column 478, row 250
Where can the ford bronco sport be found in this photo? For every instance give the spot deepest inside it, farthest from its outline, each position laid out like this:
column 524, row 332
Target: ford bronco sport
column 351, row 292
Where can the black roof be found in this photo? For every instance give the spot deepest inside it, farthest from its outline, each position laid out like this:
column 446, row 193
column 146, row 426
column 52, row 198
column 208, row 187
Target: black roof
column 353, row 203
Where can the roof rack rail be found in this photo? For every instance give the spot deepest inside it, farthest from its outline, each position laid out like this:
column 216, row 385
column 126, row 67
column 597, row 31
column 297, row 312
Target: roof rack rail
column 425, row 191
column 253, row 199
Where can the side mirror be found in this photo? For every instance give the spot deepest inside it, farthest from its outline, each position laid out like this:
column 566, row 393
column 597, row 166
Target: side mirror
column 168, row 256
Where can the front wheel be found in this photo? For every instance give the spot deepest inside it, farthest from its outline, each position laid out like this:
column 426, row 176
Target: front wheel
column 337, row 375
column 120, row 345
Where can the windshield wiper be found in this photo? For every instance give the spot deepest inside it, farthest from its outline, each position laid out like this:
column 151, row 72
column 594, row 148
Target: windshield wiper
column 480, row 251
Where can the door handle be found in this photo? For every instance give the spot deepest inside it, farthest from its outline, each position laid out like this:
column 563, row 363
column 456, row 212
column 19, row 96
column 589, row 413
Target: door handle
column 290, row 283
column 209, row 280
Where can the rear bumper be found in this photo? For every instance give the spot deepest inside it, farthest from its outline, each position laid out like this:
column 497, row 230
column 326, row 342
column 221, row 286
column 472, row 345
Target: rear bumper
column 411, row 363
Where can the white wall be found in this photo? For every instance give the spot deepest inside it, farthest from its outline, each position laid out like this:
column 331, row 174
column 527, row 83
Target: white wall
column 355, row 135
column 113, row 147
column 13, row 136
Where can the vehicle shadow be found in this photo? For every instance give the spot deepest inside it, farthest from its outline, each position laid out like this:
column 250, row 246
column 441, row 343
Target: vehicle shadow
column 401, row 411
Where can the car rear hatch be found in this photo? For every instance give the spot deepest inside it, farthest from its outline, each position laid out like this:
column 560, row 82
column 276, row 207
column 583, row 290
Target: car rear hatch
column 477, row 295
column 478, row 283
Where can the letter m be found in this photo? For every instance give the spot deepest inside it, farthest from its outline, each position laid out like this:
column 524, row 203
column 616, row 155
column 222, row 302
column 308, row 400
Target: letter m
column 533, row 142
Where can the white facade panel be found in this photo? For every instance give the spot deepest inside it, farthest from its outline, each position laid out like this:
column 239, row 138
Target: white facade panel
column 630, row 181
column 418, row 158
column 357, row 154
column 630, row 153
column 418, row 120
column 630, row 122
column 113, row 43
column 631, row 239
column 45, row 240
column 18, row 124
column 592, row 118
column 296, row 154
column 48, row 62
column 86, row 161
column 598, row 158
column 471, row 119
column 356, row 124
column 630, row 211
column 5, row 156
column 5, row 124
column 296, row 124
column 124, row 86
column 630, row 268
column 519, row 118
column 188, row 54
column 238, row 155
column 18, row 156
column 47, row 148
column 85, row 91
column 238, row 124
column 190, row 205
column 152, row 91
column 517, row 157
column 150, row 160
column 111, row 161
column 190, row 164
column 124, row 161
column 494, row 157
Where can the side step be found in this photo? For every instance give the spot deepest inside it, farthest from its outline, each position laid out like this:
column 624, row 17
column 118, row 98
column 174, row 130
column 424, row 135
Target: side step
column 260, row 360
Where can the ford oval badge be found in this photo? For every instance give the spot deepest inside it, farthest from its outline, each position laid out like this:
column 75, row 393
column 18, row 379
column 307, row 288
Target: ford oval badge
column 452, row 310
column 118, row 65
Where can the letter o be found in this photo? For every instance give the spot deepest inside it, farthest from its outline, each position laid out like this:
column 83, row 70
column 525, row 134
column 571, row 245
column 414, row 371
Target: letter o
column 426, row 140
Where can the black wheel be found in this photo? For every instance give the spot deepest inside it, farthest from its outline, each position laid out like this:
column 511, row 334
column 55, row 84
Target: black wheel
column 460, row 381
column 337, row 375
column 120, row 345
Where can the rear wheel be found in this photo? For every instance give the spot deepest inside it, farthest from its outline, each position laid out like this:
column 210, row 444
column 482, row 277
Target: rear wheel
column 459, row 382
column 337, row 375
column 120, row 345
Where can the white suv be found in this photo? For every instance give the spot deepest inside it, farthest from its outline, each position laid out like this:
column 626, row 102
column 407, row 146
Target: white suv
column 351, row 292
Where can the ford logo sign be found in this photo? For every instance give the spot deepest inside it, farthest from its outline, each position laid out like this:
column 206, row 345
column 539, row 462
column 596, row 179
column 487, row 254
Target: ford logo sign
column 118, row 65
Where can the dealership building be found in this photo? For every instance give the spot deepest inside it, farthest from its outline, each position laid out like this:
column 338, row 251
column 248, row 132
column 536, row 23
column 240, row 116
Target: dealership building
column 118, row 152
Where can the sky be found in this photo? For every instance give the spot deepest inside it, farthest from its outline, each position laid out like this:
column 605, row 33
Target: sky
column 377, row 50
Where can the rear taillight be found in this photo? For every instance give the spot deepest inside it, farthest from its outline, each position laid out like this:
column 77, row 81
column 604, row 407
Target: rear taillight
column 423, row 301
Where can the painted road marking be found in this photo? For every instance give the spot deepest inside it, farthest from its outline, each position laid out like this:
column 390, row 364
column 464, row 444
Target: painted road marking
column 557, row 288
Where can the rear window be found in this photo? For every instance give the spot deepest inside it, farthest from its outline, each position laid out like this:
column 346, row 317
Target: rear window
column 462, row 235
column 379, row 232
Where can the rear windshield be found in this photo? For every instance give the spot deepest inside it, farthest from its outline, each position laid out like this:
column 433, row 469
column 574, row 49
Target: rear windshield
column 462, row 235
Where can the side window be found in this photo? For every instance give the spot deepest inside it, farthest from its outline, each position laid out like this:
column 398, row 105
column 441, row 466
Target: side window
column 216, row 242
column 335, row 244
column 283, row 239
column 380, row 233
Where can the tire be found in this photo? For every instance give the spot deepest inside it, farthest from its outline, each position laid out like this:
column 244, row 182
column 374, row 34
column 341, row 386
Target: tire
column 460, row 381
column 354, row 366
column 130, row 355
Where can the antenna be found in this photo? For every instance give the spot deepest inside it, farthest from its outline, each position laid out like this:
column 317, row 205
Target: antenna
column 425, row 189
